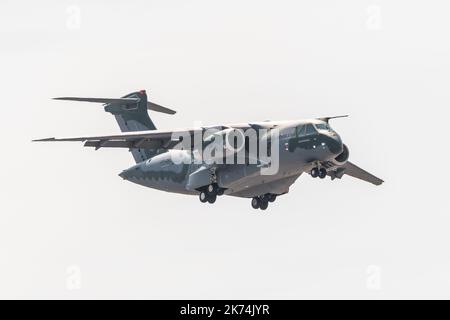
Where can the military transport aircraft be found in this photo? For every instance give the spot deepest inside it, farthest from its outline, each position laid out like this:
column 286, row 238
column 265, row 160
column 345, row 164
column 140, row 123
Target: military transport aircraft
column 299, row 146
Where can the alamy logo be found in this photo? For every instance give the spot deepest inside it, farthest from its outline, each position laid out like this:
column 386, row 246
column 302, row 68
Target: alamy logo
column 373, row 280
column 73, row 279
column 210, row 146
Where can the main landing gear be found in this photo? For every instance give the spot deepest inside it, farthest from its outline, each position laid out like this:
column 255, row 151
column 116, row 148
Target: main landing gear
column 318, row 172
column 209, row 193
column 262, row 202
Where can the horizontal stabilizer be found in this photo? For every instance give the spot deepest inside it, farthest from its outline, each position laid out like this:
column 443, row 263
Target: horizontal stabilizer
column 101, row 100
column 121, row 101
column 158, row 108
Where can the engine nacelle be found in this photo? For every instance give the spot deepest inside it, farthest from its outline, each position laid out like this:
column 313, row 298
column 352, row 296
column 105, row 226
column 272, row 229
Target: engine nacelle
column 232, row 140
column 342, row 157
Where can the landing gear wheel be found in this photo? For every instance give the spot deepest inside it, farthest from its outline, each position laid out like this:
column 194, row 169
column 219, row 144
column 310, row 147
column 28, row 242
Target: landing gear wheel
column 264, row 204
column 314, row 172
column 211, row 188
column 322, row 173
column 203, row 197
column 272, row 197
column 255, row 203
column 212, row 198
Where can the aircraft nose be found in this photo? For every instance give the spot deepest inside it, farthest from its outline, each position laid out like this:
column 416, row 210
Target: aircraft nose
column 335, row 144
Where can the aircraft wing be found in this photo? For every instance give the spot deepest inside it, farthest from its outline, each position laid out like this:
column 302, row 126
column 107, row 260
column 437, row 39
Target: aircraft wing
column 151, row 139
column 356, row 172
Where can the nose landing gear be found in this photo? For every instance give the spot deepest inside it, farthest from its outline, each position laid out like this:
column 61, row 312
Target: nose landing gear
column 318, row 172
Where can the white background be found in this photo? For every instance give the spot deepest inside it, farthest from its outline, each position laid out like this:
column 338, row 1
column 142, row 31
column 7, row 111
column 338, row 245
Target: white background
column 71, row 228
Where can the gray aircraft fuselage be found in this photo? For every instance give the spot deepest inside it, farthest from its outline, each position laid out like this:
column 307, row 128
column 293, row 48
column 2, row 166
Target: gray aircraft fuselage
column 299, row 146
column 297, row 154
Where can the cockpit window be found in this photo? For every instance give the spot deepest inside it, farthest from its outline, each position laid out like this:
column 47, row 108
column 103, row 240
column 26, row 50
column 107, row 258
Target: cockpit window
column 305, row 130
column 301, row 130
column 323, row 126
column 310, row 129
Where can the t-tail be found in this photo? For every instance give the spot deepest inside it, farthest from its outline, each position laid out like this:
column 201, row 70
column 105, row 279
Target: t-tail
column 131, row 114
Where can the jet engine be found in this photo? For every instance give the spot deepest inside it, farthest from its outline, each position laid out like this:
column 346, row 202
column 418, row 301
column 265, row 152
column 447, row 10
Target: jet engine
column 342, row 157
column 232, row 140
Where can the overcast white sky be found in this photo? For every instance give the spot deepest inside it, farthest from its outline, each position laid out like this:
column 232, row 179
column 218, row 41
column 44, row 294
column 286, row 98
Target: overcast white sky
column 71, row 228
